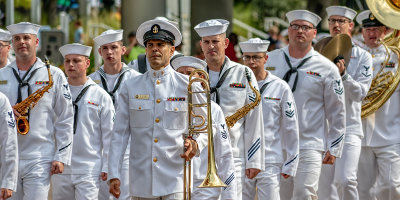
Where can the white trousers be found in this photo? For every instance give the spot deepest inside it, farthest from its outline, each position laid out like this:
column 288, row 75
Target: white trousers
column 380, row 166
column 266, row 182
column 75, row 186
column 304, row 185
column 174, row 196
column 33, row 180
column 104, row 192
column 339, row 181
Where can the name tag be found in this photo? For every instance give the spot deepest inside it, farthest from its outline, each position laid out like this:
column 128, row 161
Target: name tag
column 270, row 68
column 142, row 96
column 97, row 81
column 3, row 82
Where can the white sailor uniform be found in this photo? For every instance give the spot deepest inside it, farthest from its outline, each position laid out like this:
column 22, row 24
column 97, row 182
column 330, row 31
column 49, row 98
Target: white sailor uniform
column 319, row 96
column 281, row 135
column 51, row 122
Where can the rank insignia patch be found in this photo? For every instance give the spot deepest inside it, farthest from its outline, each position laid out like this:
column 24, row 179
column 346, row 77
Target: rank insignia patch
column 142, row 96
column 338, row 88
column 270, row 68
column 272, row 98
column 67, row 96
column 10, row 120
column 97, row 81
column 290, row 109
column 224, row 133
column 176, row 99
column 41, row 82
column 366, row 73
column 237, row 85
column 3, row 82
column 252, row 97
column 314, row 73
column 92, row 103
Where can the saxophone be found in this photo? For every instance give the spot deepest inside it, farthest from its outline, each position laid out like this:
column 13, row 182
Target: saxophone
column 232, row 119
column 30, row 102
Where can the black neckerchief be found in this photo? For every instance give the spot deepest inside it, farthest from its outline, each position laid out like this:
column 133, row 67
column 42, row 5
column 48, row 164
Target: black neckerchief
column 22, row 82
column 293, row 70
column 220, row 81
column 75, row 104
column 105, row 86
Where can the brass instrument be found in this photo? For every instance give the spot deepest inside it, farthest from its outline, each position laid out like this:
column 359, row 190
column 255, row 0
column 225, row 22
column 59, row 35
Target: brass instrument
column 384, row 83
column 232, row 119
column 212, row 179
column 332, row 47
column 30, row 102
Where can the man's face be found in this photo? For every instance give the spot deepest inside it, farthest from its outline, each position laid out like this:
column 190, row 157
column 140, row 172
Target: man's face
column 255, row 60
column 4, row 49
column 304, row 34
column 159, row 53
column 340, row 24
column 112, row 52
column 214, row 47
column 186, row 70
column 75, row 65
column 372, row 35
column 25, row 45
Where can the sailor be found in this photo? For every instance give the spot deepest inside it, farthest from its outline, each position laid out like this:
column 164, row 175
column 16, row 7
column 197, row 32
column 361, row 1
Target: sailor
column 8, row 150
column 281, row 129
column 5, row 46
column 152, row 109
column 230, row 87
column 379, row 163
column 110, row 76
column 93, row 121
column 319, row 95
column 340, row 180
column 47, row 146
column 222, row 143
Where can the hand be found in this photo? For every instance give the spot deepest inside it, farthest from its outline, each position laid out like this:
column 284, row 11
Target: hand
column 114, row 187
column 191, row 149
column 329, row 159
column 252, row 172
column 57, row 167
column 103, row 176
column 341, row 66
column 16, row 114
column 285, row 176
column 5, row 193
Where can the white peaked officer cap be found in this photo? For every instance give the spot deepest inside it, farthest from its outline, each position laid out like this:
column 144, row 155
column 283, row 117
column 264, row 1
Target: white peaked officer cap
column 211, row 27
column 362, row 16
column 189, row 61
column 75, row 48
column 23, row 27
column 254, row 45
column 303, row 15
column 341, row 11
column 176, row 24
column 108, row 36
column 158, row 30
column 5, row 35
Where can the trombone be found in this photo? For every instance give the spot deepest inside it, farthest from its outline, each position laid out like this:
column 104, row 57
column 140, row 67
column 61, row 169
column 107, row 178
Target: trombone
column 212, row 179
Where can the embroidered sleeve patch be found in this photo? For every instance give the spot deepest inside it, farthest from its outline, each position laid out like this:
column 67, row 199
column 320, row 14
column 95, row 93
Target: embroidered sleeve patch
column 252, row 97
column 289, row 112
column 237, row 85
column 253, row 149
column 366, row 72
column 314, row 73
column 338, row 87
column 224, row 132
column 10, row 119
column 176, row 99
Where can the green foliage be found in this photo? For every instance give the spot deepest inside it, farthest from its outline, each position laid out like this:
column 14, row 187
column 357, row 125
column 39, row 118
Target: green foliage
column 25, row 4
column 276, row 8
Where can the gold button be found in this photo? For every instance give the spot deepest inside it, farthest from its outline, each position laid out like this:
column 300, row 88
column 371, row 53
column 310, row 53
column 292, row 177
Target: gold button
column 155, row 140
column 157, row 120
column 176, row 109
column 158, row 82
column 140, row 108
column 155, row 159
column 158, row 100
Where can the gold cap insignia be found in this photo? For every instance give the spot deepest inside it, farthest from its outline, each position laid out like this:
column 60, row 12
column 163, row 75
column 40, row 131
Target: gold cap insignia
column 371, row 17
column 155, row 28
